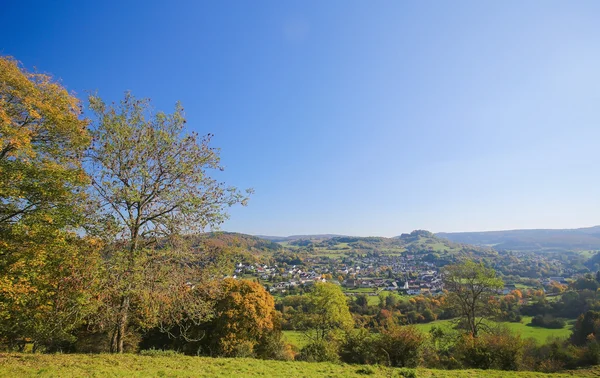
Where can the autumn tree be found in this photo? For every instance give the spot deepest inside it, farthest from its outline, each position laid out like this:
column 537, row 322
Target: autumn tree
column 46, row 269
column 471, row 290
column 151, row 181
column 49, row 290
column 244, row 315
column 587, row 328
column 42, row 138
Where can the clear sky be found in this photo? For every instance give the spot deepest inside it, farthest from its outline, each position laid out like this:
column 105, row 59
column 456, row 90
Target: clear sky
column 356, row 117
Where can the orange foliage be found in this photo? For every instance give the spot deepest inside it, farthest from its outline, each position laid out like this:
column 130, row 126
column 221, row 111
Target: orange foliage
column 245, row 312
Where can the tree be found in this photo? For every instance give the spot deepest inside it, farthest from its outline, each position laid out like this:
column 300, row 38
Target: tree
column 49, row 289
column 42, row 139
column 586, row 328
column 471, row 290
column 327, row 310
column 245, row 314
column 46, row 270
column 152, row 184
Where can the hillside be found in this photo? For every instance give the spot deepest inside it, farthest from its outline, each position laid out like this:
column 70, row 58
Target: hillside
column 298, row 237
column 131, row 365
column 580, row 239
column 417, row 242
column 247, row 243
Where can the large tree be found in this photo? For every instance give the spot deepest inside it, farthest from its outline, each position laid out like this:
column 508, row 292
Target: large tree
column 151, row 180
column 326, row 310
column 471, row 292
column 46, row 270
column 42, row 138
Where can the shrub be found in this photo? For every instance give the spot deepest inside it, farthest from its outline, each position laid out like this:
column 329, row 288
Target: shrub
column 359, row 347
column 590, row 354
column 439, row 349
column 366, row 370
column 547, row 321
column 554, row 355
column 498, row 350
column 272, row 347
column 401, row 345
column 407, row 373
column 319, row 351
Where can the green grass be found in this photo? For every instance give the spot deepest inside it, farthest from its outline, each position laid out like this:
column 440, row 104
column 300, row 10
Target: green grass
column 373, row 300
column 130, row 365
column 523, row 329
column 296, row 338
column 362, row 290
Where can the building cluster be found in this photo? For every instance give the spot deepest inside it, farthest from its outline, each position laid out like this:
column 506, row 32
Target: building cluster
column 406, row 274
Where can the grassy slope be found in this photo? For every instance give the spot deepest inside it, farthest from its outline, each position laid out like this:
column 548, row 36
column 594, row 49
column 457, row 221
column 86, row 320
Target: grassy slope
column 80, row 365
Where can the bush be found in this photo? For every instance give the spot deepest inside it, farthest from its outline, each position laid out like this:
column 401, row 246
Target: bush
column 439, row 349
column 319, row 351
column 273, row 347
column 360, row 347
column 555, row 355
column 547, row 321
column 366, row 370
column 590, row 355
column 498, row 350
column 407, row 373
column 401, row 346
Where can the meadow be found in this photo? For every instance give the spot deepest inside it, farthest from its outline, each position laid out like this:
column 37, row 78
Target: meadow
column 523, row 329
column 526, row 331
column 132, row 365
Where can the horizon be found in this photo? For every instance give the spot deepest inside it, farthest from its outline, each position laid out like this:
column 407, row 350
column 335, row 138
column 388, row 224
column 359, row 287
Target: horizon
column 408, row 232
column 357, row 118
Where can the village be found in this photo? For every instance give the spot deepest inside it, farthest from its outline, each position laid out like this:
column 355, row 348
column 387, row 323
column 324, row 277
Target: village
column 370, row 274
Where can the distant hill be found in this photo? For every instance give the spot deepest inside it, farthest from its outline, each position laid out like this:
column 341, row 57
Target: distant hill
column 248, row 243
column 417, row 242
column 579, row 239
column 298, row 237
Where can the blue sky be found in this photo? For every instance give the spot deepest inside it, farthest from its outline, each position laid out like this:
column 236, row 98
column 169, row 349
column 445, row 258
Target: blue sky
column 356, row 117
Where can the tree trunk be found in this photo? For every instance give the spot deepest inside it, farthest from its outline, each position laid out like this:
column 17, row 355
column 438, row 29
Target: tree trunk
column 118, row 337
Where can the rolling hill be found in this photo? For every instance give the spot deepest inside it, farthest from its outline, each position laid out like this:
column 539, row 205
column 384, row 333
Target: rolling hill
column 579, row 239
column 417, row 242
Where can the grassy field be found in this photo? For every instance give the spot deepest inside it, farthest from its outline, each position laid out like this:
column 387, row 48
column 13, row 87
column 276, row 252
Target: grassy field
column 295, row 338
column 525, row 331
column 130, row 365
column 538, row 333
